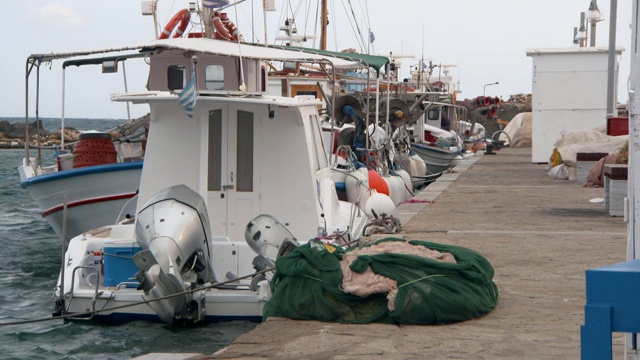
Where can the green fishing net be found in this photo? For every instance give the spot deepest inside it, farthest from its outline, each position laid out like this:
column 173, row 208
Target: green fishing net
column 308, row 285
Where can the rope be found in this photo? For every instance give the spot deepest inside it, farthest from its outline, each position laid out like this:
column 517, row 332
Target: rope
column 67, row 316
column 352, row 28
column 420, row 279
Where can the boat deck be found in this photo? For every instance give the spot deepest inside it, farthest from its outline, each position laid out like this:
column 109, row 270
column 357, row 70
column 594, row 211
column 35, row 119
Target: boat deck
column 539, row 234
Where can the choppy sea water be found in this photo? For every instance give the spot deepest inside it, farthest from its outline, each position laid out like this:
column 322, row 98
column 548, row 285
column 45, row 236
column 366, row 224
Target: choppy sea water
column 30, row 256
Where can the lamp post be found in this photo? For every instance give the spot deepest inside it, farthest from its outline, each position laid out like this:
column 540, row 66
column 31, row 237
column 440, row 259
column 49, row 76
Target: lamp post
column 581, row 36
column 594, row 16
column 484, row 91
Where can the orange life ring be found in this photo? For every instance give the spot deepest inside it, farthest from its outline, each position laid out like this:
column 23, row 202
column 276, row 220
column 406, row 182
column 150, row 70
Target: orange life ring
column 233, row 29
column 225, row 28
column 221, row 30
column 182, row 17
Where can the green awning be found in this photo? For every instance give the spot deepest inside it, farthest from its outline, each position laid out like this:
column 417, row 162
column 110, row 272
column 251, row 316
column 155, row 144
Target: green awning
column 100, row 60
column 374, row 61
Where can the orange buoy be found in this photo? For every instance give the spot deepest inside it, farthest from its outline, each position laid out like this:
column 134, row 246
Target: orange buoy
column 376, row 182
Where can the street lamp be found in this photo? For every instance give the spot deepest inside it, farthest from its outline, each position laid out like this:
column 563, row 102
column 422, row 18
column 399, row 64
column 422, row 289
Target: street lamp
column 593, row 16
column 581, row 36
column 485, row 87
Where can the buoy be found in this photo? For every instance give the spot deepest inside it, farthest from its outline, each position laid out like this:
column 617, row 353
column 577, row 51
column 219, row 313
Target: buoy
column 377, row 183
column 421, row 167
column 378, row 203
column 357, row 187
column 406, row 183
column 396, row 191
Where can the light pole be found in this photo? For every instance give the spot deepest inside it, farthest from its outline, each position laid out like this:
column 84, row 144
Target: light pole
column 593, row 16
column 485, row 87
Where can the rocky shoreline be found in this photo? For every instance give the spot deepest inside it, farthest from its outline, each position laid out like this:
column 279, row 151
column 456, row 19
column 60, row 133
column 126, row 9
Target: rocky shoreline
column 12, row 135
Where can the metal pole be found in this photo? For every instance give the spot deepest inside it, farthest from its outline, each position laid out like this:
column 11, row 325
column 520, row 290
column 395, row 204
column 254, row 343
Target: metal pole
column 62, row 114
column 633, row 192
column 264, row 20
column 26, row 112
column 582, row 26
column 124, row 76
column 611, row 68
column 592, row 35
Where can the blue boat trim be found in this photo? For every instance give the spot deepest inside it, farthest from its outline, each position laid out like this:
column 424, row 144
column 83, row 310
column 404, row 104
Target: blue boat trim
column 97, row 169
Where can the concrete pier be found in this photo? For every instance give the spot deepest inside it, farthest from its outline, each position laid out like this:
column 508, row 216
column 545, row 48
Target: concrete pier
column 539, row 234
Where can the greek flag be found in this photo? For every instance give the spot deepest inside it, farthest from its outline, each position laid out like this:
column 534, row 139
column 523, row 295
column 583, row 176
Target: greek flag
column 214, row 4
column 187, row 97
column 372, row 37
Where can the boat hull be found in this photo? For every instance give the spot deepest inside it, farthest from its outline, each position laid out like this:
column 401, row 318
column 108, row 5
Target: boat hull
column 436, row 159
column 100, row 274
column 94, row 195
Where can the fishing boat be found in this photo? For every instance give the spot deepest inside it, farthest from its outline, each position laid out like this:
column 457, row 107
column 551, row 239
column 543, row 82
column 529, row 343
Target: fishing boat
column 92, row 180
column 187, row 255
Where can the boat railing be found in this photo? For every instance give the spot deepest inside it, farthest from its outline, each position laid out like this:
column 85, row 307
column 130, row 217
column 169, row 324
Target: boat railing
column 72, row 288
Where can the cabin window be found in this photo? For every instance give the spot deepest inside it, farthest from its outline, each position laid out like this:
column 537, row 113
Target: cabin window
column 304, row 92
column 214, row 77
column 433, row 114
column 175, row 77
column 244, row 151
column 215, row 151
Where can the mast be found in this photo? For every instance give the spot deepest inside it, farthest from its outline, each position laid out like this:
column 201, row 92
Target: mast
column 323, row 25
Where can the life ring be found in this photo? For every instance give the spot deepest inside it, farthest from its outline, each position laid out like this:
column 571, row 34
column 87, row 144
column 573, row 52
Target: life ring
column 221, row 30
column 225, row 28
column 233, row 29
column 182, row 17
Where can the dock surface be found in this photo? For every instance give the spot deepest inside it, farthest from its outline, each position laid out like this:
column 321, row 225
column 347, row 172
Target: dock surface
column 539, row 234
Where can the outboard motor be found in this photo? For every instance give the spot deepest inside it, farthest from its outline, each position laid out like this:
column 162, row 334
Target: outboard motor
column 270, row 240
column 174, row 233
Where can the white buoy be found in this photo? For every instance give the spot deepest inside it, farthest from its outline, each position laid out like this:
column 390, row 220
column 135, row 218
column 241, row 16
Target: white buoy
column 406, row 183
column 421, row 167
column 380, row 203
column 357, row 187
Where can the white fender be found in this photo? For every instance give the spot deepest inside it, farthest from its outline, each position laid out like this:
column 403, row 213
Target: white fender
column 421, row 167
column 357, row 187
column 395, row 192
column 407, row 185
column 380, row 203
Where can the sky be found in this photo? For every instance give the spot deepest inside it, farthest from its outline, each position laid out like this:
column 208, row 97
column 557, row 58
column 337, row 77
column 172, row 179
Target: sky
column 485, row 40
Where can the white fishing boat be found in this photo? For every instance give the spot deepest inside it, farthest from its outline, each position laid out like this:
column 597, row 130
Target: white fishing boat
column 93, row 180
column 241, row 153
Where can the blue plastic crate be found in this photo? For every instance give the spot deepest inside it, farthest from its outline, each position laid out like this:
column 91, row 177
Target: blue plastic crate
column 118, row 265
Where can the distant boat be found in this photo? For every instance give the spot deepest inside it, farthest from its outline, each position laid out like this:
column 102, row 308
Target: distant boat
column 95, row 182
column 436, row 159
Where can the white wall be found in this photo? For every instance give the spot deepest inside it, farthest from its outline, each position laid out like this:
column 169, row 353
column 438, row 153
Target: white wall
column 569, row 94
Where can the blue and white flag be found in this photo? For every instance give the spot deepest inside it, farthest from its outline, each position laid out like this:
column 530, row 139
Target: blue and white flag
column 372, row 37
column 214, row 4
column 187, row 97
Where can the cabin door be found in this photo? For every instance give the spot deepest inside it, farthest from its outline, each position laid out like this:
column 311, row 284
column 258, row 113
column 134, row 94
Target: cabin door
column 232, row 172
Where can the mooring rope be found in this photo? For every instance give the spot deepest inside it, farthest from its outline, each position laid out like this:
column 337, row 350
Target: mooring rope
column 61, row 317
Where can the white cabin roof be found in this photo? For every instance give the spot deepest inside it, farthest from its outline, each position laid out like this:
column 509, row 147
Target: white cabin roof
column 249, row 51
column 211, row 46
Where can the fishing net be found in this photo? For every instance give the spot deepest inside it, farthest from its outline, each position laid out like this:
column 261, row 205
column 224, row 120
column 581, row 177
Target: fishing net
column 388, row 281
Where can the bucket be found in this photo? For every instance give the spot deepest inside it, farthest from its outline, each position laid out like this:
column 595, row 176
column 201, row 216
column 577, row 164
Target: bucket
column 94, row 149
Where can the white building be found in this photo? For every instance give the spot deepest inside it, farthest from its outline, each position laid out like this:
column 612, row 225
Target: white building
column 569, row 93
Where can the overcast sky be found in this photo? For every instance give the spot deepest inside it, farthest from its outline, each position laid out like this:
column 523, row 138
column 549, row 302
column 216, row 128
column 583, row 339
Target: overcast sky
column 486, row 40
